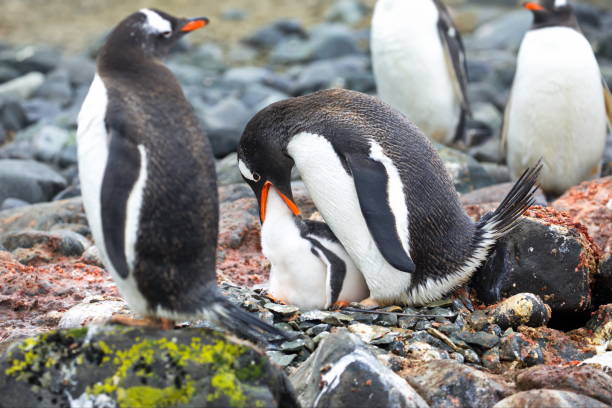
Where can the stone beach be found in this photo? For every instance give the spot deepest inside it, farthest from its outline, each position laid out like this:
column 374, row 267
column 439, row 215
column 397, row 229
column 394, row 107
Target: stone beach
column 533, row 327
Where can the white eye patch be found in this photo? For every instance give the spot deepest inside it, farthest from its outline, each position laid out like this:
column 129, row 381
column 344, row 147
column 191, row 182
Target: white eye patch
column 246, row 173
column 156, row 23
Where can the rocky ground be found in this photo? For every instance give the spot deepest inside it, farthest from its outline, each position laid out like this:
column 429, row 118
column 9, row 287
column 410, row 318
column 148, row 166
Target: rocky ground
column 534, row 327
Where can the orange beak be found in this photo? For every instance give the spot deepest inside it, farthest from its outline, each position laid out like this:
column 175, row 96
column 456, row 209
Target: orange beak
column 195, row 24
column 263, row 202
column 533, row 6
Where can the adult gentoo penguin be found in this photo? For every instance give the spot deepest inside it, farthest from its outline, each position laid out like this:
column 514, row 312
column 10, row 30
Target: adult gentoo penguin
column 148, row 178
column 309, row 266
column 381, row 188
column 557, row 106
column 419, row 65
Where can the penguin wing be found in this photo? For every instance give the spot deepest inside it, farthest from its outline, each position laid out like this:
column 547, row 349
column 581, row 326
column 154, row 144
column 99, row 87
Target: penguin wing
column 608, row 101
column 454, row 53
column 371, row 182
column 336, row 270
column 120, row 175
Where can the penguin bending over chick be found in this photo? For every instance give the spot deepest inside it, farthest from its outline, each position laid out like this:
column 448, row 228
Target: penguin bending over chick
column 381, row 188
column 148, row 179
column 558, row 102
column 310, row 268
column 419, row 65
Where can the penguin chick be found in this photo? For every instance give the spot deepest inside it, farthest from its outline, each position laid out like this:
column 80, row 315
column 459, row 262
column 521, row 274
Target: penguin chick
column 557, row 105
column 419, row 65
column 310, row 268
column 382, row 189
column 148, row 178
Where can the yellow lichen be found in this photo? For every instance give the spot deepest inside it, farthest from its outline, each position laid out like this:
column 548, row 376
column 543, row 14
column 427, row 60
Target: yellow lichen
column 147, row 397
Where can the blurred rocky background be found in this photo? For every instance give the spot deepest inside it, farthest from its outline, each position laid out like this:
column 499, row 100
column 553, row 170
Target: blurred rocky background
column 539, row 324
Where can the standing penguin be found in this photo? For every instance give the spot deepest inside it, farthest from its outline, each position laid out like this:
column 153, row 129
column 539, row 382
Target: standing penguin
column 419, row 65
column 148, row 178
column 557, row 106
column 310, row 268
column 381, row 188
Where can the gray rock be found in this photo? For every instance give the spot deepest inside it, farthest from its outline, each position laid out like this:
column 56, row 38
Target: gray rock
column 482, row 339
column 56, row 87
column 447, row 383
column 343, row 72
column 30, row 58
column 273, row 34
column 495, row 194
column 41, row 110
column 12, row 115
column 504, row 32
column 66, row 243
column 291, row 51
column 332, row 41
column 234, row 14
column 8, row 73
column 549, row 398
column 584, row 380
column 467, row 174
column 43, row 217
column 224, row 124
column 91, row 256
column 246, row 75
column 80, row 70
column 207, row 57
column 242, row 54
column 344, row 373
column 551, row 261
column 23, row 87
column 280, row 358
column 48, row 143
column 256, row 96
column 11, row 203
column 227, row 170
column 140, row 367
column 515, row 347
column 28, row 180
column 345, row 11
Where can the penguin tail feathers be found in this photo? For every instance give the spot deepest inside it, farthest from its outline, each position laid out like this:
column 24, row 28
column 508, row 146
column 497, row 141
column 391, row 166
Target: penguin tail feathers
column 243, row 323
column 494, row 225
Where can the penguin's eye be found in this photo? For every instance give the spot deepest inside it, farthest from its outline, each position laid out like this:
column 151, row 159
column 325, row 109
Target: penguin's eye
column 256, row 177
column 166, row 34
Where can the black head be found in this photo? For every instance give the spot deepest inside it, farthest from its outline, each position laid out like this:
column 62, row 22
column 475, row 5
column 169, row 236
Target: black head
column 548, row 13
column 263, row 161
column 150, row 31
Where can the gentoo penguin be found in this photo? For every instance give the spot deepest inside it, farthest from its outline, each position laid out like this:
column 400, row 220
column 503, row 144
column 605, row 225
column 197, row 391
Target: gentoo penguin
column 382, row 189
column 557, row 106
column 148, row 178
column 419, row 65
column 310, row 268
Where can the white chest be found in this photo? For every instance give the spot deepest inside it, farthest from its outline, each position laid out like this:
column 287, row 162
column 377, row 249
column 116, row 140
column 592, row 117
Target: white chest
column 333, row 192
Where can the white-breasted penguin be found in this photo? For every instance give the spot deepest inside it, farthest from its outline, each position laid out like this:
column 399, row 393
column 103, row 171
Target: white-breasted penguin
column 309, row 266
column 419, row 65
column 557, row 106
column 148, row 178
column 382, row 189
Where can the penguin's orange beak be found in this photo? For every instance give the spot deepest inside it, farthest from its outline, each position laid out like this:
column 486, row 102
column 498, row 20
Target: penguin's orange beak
column 194, row 24
column 530, row 5
column 263, row 202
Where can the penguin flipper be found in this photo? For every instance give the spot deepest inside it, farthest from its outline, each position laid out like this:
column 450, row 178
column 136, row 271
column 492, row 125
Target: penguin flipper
column 371, row 183
column 120, row 175
column 454, row 54
column 336, row 271
column 608, row 102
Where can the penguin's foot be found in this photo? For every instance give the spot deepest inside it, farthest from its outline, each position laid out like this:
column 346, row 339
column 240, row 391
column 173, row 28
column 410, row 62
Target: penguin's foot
column 164, row 324
column 341, row 304
column 275, row 299
column 369, row 302
column 462, row 295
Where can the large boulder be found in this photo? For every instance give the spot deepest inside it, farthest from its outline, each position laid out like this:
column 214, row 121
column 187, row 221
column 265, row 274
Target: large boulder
column 29, row 180
column 547, row 254
column 344, row 373
column 131, row 367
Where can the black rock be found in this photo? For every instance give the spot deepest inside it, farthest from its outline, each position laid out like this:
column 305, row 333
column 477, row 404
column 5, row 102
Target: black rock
column 12, row 115
column 514, row 347
column 344, row 373
column 29, row 180
column 602, row 282
column 56, row 87
column 482, row 339
column 547, row 260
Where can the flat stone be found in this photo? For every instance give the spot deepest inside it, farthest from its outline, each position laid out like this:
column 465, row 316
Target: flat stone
column 23, row 87
column 367, row 333
column 281, row 358
column 482, row 339
column 548, row 399
column 283, row 310
column 92, row 311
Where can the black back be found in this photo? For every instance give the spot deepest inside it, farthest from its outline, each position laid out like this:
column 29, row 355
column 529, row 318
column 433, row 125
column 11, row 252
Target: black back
column 177, row 238
column 440, row 231
column 552, row 16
